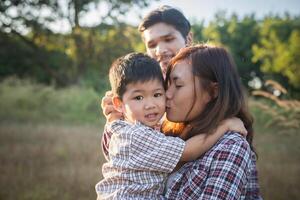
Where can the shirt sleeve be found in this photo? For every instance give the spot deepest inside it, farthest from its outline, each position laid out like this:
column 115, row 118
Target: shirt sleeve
column 253, row 189
column 106, row 136
column 224, row 179
column 152, row 150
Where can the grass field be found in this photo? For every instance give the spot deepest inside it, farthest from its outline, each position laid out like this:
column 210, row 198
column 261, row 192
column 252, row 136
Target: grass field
column 49, row 161
column 63, row 162
column 50, row 145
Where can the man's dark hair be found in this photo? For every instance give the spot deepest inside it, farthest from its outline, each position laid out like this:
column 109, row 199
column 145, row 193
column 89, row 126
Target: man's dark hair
column 168, row 15
column 133, row 68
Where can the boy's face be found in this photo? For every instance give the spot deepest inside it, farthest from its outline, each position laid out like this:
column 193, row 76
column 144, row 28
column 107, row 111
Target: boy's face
column 163, row 42
column 144, row 102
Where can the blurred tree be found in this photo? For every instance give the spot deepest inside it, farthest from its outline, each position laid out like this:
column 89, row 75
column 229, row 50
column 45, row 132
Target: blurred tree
column 29, row 21
column 278, row 49
column 238, row 35
column 197, row 30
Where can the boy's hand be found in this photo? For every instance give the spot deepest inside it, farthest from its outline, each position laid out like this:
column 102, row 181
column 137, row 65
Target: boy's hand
column 108, row 109
column 235, row 124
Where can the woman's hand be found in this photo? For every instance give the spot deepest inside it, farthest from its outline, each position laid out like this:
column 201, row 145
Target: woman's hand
column 235, row 124
column 109, row 111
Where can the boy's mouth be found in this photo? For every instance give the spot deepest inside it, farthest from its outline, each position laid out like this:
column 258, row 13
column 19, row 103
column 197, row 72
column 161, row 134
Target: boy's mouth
column 151, row 116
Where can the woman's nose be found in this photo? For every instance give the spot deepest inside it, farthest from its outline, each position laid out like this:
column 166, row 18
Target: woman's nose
column 169, row 93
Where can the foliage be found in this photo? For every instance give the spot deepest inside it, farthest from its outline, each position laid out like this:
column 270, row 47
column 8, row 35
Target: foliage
column 265, row 49
column 230, row 32
column 24, row 101
column 278, row 49
column 29, row 22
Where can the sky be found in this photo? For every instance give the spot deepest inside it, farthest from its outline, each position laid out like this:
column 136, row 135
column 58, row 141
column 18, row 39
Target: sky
column 196, row 9
column 205, row 9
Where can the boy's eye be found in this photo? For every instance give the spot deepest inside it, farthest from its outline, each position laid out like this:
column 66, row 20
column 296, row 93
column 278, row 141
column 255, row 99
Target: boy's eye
column 138, row 98
column 158, row 94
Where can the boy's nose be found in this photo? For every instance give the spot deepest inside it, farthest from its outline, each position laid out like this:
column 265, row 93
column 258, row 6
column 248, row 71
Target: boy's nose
column 149, row 105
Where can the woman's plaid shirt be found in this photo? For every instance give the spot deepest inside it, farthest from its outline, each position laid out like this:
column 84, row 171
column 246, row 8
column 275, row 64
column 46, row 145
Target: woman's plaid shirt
column 227, row 171
column 139, row 160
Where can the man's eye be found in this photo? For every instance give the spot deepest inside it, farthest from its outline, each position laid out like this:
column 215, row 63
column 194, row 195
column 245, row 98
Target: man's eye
column 138, row 98
column 158, row 94
column 151, row 46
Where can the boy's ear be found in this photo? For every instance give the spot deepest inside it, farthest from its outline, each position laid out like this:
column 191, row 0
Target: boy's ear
column 117, row 103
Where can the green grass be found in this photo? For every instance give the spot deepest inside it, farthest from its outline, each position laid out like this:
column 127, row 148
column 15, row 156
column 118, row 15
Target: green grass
column 50, row 144
column 23, row 101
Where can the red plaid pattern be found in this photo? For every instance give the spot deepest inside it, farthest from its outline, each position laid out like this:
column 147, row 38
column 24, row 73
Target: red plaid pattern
column 139, row 160
column 227, row 171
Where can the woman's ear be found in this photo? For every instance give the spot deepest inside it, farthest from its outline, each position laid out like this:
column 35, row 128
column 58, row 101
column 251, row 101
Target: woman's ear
column 117, row 103
column 215, row 90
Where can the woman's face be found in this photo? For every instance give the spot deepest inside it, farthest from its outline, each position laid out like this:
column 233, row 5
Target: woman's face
column 186, row 98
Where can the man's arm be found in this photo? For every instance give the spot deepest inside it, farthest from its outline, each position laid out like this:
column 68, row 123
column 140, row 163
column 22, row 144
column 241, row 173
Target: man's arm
column 110, row 114
column 106, row 136
column 108, row 109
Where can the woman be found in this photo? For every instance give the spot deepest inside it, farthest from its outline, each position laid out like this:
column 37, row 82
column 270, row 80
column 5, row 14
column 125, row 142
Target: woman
column 203, row 89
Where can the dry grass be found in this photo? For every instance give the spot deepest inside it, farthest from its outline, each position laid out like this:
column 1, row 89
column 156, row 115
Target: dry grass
column 49, row 162
column 278, row 162
column 41, row 162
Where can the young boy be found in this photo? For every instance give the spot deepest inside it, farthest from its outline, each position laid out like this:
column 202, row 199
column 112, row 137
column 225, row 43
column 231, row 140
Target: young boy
column 140, row 157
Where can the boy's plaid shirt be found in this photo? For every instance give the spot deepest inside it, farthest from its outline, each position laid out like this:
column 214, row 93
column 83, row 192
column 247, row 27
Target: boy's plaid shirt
column 139, row 160
column 227, row 171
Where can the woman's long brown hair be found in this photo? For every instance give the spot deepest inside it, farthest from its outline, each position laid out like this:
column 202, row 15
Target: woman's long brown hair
column 212, row 65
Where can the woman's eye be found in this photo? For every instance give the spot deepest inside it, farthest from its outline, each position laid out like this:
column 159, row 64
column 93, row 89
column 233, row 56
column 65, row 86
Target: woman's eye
column 138, row 98
column 178, row 86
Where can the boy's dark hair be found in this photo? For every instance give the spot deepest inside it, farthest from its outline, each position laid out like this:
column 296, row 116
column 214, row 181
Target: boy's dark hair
column 168, row 15
column 133, row 68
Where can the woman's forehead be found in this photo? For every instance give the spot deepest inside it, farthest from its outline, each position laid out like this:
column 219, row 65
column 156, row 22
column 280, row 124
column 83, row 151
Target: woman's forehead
column 182, row 68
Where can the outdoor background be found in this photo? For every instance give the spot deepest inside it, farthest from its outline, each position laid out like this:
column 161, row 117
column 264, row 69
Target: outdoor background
column 54, row 60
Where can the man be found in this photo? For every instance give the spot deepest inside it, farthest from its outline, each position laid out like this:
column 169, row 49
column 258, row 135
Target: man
column 164, row 31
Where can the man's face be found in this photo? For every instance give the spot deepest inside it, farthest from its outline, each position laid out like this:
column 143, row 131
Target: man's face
column 163, row 42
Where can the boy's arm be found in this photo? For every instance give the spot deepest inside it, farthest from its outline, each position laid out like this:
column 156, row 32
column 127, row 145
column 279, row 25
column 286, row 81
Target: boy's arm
column 199, row 144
